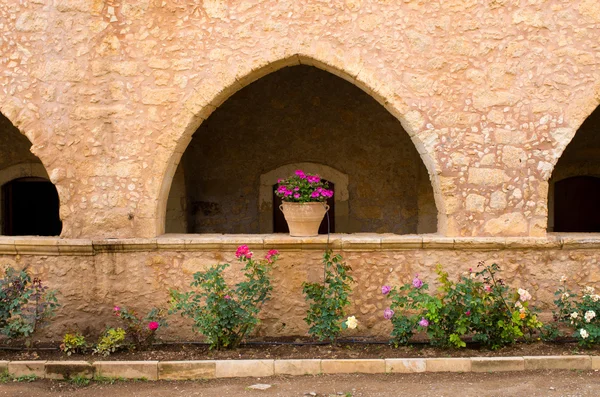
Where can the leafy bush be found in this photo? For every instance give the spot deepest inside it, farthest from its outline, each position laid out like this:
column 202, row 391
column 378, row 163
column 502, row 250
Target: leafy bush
column 111, row 341
column 73, row 344
column 141, row 331
column 26, row 305
column 478, row 304
column 225, row 315
column 328, row 301
column 579, row 313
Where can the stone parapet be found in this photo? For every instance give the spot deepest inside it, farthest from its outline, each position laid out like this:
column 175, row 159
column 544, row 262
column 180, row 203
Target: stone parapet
column 345, row 242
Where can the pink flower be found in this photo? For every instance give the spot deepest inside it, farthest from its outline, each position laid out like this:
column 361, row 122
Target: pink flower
column 297, row 195
column 468, row 313
column 271, row 254
column 287, row 193
column 388, row 313
column 279, row 180
column 281, row 189
column 227, row 297
column 301, row 174
column 487, row 288
column 315, row 194
column 117, row 308
column 417, row 283
column 296, row 188
column 386, row 289
column 153, row 325
column 313, row 179
column 424, row 322
column 243, row 251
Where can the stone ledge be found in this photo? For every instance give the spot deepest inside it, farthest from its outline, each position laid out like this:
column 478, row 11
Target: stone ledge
column 207, row 369
column 28, row 245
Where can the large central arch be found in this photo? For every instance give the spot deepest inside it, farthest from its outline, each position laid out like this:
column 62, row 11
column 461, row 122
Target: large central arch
column 200, row 104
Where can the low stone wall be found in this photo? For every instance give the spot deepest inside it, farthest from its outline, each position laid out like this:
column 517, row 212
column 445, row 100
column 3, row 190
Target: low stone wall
column 94, row 275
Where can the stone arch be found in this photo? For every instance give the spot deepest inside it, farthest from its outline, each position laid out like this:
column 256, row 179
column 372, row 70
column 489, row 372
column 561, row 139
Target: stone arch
column 26, row 122
column 200, row 104
column 268, row 179
column 579, row 156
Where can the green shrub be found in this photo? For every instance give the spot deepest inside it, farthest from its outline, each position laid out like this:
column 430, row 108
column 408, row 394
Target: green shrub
column 328, row 300
column 225, row 315
column 478, row 304
column 111, row 341
column 26, row 305
column 73, row 344
column 141, row 331
column 579, row 313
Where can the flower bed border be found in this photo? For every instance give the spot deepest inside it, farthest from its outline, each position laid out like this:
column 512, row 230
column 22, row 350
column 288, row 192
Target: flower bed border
column 211, row 369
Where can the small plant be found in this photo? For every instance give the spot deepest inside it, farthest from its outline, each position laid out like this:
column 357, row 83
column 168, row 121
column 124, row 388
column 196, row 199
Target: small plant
column 478, row 304
column 579, row 313
column 303, row 188
column 225, row 315
column 141, row 331
column 26, row 305
column 79, row 381
column 328, row 301
column 111, row 341
column 73, row 344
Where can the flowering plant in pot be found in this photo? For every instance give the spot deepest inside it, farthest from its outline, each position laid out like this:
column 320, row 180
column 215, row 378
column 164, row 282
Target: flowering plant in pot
column 303, row 206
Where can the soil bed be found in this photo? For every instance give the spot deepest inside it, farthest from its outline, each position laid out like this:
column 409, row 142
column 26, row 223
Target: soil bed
column 291, row 350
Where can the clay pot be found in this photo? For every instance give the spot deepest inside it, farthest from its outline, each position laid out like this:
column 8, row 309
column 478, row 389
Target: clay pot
column 304, row 219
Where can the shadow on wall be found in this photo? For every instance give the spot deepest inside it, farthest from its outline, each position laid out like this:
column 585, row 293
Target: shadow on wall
column 29, row 204
column 301, row 114
column 574, row 188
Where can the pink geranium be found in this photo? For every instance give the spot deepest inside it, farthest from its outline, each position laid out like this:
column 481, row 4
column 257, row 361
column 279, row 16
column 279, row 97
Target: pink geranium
column 243, row 252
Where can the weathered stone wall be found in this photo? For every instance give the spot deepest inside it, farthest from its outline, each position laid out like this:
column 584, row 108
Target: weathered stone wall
column 138, row 274
column 304, row 114
column 110, row 93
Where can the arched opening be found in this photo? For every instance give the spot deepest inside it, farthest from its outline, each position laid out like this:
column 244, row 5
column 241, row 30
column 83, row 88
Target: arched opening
column 300, row 114
column 574, row 188
column 29, row 203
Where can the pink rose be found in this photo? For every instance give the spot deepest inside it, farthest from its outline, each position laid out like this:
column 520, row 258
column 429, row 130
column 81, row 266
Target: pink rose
column 424, row 322
column 271, row 254
column 417, row 283
column 388, row 313
column 386, row 289
column 153, row 325
column 243, row 251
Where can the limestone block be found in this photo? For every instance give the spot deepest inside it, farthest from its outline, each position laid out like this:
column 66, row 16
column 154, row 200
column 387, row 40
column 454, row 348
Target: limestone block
column 242, row 368
column 514, row 157
column 512, row 224
column 475, row 203
column 497, row 364
column 69, row 369
column 32, row 22
column 448, row 365
column 24, row 368
column 158, row 96
column 297, row 367
column 180, row 370
column 558, row 362
column 498, row 200
column 127, row 369
column 405, row 365
column 368, row 366
column 3, row 366
column 487, row 176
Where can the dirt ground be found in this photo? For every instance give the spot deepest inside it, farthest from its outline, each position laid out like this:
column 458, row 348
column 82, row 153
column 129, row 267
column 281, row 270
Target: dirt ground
column 532, row 383
column 344, row 350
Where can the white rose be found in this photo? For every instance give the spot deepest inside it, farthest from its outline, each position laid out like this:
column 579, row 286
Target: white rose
column 524, row 295
column 352, row 322
column 574, row 315
column 595, row 298
column 589, row 315
column 584, row 334
column 565, row 296
column 563, row 279
column 588, row 290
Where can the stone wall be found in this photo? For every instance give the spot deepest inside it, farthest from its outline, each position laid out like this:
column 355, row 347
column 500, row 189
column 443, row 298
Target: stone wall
column 296, row 115
column 94, row 276
column 110, row 93
column 14, row 147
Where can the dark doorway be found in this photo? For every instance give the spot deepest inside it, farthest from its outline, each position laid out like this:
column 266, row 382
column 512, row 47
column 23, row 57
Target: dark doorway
column 576, row 202
column 280, row 225
column 30, row 208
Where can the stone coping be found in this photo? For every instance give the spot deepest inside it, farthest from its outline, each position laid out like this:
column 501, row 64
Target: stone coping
column 208, row 369
column 345, row 242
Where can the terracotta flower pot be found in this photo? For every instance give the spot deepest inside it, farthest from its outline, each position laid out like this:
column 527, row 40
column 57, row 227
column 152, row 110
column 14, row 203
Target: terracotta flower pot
column 304, row 219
